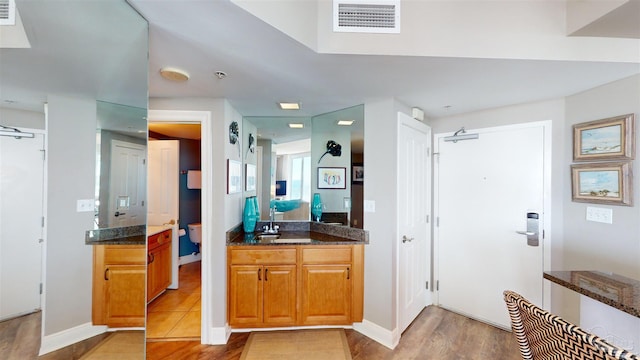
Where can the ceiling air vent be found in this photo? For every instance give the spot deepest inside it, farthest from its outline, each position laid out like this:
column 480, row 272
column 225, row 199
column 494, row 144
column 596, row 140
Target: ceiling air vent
column 367, row 16
column 7, row 12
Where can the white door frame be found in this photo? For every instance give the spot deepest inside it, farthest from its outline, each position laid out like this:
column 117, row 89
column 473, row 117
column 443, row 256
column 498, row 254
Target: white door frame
column 206, row 155
column 547, row 218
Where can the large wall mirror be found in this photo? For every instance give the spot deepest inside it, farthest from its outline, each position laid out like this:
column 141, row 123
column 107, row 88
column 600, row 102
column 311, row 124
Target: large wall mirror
column 287, row 154
column 74, row 49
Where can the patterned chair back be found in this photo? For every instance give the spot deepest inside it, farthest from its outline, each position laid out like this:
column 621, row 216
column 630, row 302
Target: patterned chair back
column 542, row 335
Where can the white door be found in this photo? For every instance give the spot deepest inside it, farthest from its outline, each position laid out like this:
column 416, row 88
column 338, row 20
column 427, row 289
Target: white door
column 127, row 184
column 21, row 211
column 163, row 189
column 414, row 206
column 484, row 189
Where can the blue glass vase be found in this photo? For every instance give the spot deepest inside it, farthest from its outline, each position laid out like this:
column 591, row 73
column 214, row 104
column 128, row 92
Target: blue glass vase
column 249, row 218
column 316, row 207
column 257, row 205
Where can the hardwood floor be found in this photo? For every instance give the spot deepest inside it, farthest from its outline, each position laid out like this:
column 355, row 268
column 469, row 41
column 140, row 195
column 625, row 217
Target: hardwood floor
column 435, row 334
column 20, row 337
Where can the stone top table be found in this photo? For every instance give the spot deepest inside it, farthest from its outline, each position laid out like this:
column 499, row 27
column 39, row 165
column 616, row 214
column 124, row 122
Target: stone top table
column 614, row 290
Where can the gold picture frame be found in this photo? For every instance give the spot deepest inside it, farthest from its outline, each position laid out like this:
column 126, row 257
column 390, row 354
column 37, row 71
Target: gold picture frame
column 607, row 139
column 602, row 183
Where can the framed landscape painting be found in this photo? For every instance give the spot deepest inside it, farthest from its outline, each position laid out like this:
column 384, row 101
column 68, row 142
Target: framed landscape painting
column 602, row 183
column 606, row 139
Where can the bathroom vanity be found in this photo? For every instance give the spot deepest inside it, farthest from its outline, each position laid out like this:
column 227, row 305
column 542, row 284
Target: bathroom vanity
column 158, row 263
column 307, row 274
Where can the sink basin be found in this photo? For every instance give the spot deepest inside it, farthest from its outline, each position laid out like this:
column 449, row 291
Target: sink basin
column 267, row 237
column 291, row 241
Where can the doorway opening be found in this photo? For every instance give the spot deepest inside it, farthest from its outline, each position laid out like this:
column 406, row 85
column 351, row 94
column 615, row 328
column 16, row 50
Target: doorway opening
column 176, row 313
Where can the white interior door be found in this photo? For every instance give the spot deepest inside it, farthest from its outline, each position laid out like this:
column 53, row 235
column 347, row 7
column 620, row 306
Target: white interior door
column 484, row 190
column 127, row 184
column 21, row 211
column 163, row 188
column 414, row 205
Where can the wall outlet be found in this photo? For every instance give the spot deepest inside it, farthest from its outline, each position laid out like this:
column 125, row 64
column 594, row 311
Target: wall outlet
column 86, row 205
column 601, row 215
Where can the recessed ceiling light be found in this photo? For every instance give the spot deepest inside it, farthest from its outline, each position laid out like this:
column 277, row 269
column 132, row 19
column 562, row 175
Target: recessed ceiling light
column 289, row 105
column 174, row 74
column 345, row 122
column 296, row 125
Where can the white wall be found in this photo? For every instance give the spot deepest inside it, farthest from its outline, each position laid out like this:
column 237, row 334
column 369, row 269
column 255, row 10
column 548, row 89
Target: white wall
column 71, row 176
column 590, row 245
column 224, row 216
column 380, row 137
column 22, row 118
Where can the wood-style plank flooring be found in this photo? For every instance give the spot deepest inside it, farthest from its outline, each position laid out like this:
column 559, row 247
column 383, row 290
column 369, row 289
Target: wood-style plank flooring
column 435, row 334
column 20, row 337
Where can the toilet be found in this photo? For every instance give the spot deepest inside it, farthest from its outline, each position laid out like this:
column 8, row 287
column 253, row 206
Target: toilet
column 195, row 233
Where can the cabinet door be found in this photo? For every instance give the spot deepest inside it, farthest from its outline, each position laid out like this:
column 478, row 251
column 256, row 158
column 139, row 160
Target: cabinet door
column 158, row 270
column 326, row 294
column 124, row 295
column 245, row 294
column 279, row 286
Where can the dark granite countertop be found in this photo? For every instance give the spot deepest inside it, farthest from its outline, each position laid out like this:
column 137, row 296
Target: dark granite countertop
column 614, row 290
column 128, row 235
column 301, row 233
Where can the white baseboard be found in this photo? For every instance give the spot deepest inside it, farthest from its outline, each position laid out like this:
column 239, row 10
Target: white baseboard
column 70, row 336
column 217, row 336
column 388, row 338
column 189, row 258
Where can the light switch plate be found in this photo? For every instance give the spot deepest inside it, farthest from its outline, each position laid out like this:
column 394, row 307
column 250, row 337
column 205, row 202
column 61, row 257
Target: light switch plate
column 601, row 215
column 369, row 206
column 85, row 205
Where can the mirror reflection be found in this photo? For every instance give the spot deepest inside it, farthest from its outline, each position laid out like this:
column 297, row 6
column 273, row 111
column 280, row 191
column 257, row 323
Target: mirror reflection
column 121, row 147
column 289, row 162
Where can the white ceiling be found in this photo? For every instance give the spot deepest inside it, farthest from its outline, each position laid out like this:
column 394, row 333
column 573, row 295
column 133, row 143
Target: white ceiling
column 265, row 66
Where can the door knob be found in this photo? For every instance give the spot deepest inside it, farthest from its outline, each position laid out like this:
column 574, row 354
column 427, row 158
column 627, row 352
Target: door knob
column 405, row 239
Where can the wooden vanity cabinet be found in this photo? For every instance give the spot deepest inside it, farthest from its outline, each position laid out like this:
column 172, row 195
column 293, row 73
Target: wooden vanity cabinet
column 295, row 285
column 158, row 264
column 119, row 285
column 262, row 287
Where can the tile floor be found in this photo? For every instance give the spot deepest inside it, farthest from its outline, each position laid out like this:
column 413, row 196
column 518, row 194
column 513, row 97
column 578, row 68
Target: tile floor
column 175, row 315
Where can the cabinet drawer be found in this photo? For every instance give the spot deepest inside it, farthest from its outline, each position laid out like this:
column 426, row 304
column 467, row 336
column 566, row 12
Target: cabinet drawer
column 326, row 255
column 158, row 239
column 125, row 254
column 263, row 256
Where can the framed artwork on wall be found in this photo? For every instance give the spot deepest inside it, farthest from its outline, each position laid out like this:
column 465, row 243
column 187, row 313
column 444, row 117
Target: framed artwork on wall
column 234, row 176
column 602, row 183
column 250, row 177
column 606, row 139
column 332, row 178
column 357, row 174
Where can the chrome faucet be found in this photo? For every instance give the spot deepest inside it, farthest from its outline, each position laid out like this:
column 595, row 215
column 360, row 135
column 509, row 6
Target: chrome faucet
column 271, row 229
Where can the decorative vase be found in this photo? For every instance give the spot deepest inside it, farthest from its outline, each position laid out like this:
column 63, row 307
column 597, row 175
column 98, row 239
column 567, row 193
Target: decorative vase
column 249, row 218
column 316, row 208
column 257, row 205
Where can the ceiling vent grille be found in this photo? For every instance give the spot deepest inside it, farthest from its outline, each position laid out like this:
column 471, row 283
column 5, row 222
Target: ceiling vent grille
column 367, row 16
column 7, row 12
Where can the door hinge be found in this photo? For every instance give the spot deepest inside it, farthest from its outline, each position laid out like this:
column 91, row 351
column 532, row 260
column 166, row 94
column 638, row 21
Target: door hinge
column 144, row 161
column 427, row 219
column 40, row 288
column 142, row 202
column 42, row 223
column 427, row 285
column 40, row 241
column 44, row 154
column 543, row 234
column 428, row 151
column 437, row 285
column 438, row 221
